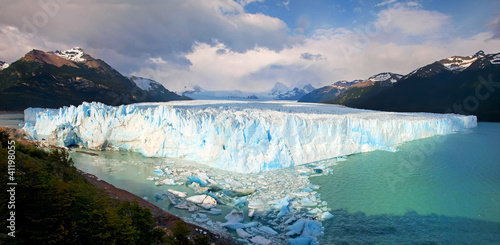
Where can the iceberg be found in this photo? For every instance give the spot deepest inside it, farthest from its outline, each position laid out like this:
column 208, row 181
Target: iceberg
column 237, row 136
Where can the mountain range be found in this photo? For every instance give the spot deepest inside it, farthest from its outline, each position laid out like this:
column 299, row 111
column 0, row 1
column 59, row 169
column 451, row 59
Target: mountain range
column 63, row 78
column 279, row 92
column 468, row 85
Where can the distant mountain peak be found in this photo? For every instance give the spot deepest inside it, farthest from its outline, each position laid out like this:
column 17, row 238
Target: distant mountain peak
column 279, row 88
column 460, row 63
column 479, row 53
column 189, row 89
column 346, row 84
column 3, row 65
column 74, row 54
column 309, row 87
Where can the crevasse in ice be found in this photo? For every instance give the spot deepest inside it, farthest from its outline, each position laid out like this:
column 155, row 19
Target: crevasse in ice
column 236, row 136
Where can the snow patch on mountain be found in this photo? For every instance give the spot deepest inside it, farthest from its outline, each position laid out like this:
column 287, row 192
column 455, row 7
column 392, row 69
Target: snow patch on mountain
column 495, row 60
column 279, row 88
column 460, row 63
column 345, row 83
column 3, row 65
column 386, row 76
column 144, row 83
column 189, row 89
column 282, row 92
column 75, row 54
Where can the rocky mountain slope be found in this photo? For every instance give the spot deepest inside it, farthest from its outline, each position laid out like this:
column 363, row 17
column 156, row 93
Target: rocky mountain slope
column 63, row 78
column 468, row 85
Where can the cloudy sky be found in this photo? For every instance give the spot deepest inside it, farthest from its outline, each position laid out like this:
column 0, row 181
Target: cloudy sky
column 251, row 44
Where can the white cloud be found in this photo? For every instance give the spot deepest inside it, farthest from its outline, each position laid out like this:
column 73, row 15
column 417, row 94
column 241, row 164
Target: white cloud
column 495, row 27
column 413, row 22
column 151, row 28
column 386, row 2
column 217, row 45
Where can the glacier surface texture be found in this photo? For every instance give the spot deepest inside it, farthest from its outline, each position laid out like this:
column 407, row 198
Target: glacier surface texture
column 236, row 136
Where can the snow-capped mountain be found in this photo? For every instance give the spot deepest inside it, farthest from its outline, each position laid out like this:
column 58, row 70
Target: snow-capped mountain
column 3, row 65
column 463, row 85
column 328, row 93
column 337, row 90
column 75, row 54
column 385, row 77
column 63, row 78
column 454, row 64
column 460, row 63
column 279, row 88
column 190, row 88
column 154, row 90
column 345, row 83
column 281, row 92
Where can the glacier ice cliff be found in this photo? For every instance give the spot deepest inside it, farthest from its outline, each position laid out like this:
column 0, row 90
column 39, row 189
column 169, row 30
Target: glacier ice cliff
column 236, row 136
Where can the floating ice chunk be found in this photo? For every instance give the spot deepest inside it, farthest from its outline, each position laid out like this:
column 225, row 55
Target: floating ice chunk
column 207, row 206
column 312, row 228
column 326, row 215
column 170, row 197
column 202, row 199
column 243, row 233
column 168, row 182
column 305, row 227
column 158, row 172
column 315, row 211
column 300, row 241
column 240, row 202
column 183, row 205
column 178, row 193
column 307, row 202
column 200, row 218
column 215, row 211
column 284, row 211
column 257, row 204
column 234, row 216
column 268, row 230
column 244, row 241
column 251, row 213
column 240, row 192
column 234, row 219
column 260, row 240
column 296, row 228
column 197, row 180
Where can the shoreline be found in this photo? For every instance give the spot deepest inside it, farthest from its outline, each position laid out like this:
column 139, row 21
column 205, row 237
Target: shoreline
column 162, row 218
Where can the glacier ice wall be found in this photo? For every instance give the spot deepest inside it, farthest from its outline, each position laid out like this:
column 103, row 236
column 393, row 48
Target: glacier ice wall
column 236, row 136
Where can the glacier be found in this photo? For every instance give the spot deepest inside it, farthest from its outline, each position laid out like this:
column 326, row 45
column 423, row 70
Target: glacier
column 238, row 136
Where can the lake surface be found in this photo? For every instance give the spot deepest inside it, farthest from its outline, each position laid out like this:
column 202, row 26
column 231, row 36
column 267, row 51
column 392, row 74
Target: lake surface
column 439, row 190
column 11, row 120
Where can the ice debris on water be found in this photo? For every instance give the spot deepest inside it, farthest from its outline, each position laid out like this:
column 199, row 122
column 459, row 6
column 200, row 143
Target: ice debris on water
column 277, row 206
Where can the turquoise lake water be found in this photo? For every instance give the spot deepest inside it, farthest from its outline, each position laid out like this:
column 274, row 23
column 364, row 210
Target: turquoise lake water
column 439, row 190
